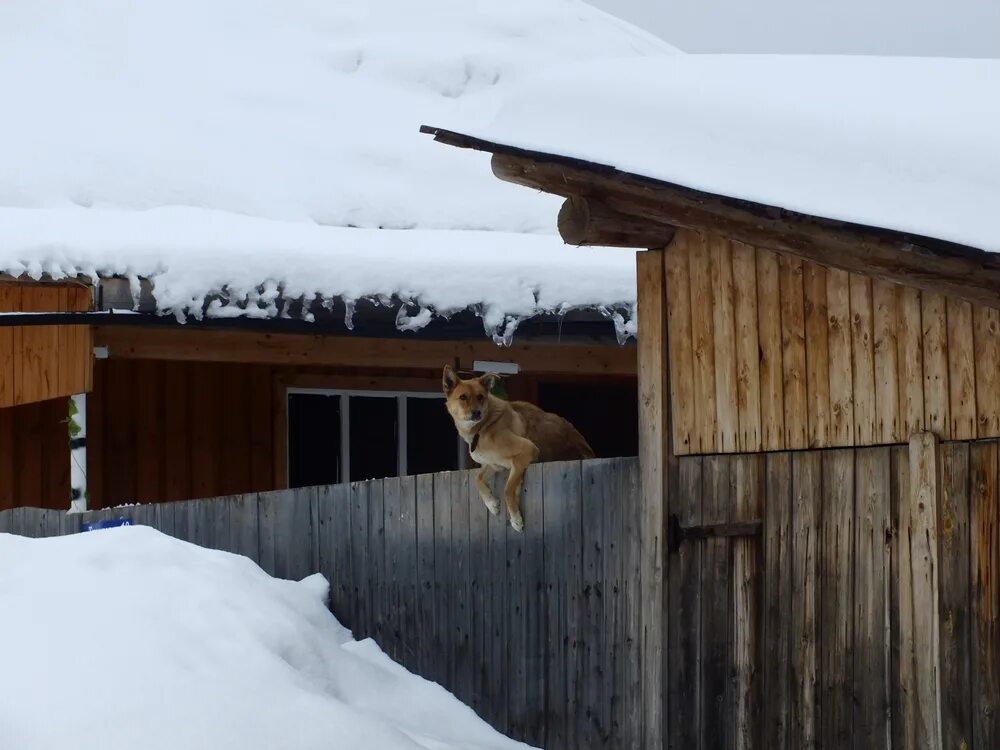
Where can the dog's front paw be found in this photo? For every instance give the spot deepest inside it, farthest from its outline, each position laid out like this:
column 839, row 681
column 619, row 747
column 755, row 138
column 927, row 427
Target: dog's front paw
column 492, row 505
column 517, row 522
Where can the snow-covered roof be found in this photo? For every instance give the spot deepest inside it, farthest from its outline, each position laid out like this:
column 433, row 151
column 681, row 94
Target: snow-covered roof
column 911, row 145
column 248, row 145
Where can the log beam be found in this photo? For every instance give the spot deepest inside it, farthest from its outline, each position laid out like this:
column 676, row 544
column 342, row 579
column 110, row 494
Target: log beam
column 934, row 266
column 584, row 221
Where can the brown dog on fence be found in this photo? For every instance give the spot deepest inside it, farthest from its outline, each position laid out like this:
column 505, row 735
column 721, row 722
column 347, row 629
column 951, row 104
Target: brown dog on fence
column 507, row 435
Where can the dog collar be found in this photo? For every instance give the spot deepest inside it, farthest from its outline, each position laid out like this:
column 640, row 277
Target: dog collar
column 474, row 444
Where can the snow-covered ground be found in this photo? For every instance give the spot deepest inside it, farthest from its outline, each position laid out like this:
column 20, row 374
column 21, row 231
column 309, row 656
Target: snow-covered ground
column 902, row 143
column 230, row 144
column 126, row 638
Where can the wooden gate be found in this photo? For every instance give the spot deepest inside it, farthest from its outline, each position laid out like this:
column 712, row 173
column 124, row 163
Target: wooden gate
column 862, row 612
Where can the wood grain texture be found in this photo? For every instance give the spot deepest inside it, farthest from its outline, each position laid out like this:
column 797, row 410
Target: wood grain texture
column 837, row 618
column 682, row 394
column 872, row 572
column 919, row 594
column 703, row 344
column 793, row 353
column 909, row 361
column 934, row 328
column 961, row 370
column 885, row 361
column 807, row 483
column 986, row 324
column 838, row 302
column 863, row 352
column 654, row 449
column 778, row 617
column 724, row 336
column 747, row 347
column 955, row 596
column 817, row 354
column 984, row 528
column 772, row 398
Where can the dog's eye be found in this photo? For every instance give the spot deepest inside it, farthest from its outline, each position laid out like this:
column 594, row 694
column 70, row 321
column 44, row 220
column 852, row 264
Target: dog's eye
column 479, row 397
column 463, row 397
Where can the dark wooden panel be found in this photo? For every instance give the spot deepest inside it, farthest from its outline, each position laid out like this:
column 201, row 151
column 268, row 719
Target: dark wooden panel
column 871, row 604
column 806, row 494
column 776, row 678
column 836, row 612
column 596, row 706
column 953, row 557
column 984, row 527
column 716, row 639
column 684, row 677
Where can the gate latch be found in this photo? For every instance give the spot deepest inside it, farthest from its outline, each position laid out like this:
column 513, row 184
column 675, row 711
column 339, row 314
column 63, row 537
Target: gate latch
column 677, row 533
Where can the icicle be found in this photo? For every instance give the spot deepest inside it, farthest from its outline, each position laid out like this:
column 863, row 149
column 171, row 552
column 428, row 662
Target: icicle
column 507, row 337
column 349, row 314
column 407, row 322
column 134, row 287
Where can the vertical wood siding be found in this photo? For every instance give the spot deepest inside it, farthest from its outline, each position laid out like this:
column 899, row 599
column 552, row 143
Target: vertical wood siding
column 37, row 362
column 159, row 431
column 769, row 352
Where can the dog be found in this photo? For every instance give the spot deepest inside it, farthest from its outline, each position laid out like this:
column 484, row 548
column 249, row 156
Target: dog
column 507, row 435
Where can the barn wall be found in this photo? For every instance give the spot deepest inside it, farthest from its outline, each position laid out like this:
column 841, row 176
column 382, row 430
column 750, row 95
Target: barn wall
column 769, row 352
column 43, row 362
column 34, row 455
column 864, row 612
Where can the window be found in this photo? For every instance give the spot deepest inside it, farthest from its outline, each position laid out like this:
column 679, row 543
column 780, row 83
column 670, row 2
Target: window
column 346, row 436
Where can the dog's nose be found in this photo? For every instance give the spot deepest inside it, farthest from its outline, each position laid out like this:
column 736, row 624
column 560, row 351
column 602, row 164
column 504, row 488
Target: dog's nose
column 476, row 414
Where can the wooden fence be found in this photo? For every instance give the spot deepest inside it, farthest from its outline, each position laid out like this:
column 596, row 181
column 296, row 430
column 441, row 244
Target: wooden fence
column 538, row 631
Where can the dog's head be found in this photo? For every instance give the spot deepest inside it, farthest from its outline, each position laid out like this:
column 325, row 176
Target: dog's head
column 468, row 401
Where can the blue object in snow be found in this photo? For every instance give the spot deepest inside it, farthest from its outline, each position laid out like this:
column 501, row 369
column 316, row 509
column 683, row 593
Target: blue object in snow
column 107, row 523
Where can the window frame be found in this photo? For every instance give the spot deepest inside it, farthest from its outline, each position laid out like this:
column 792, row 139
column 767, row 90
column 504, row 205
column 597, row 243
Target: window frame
column 345, row 395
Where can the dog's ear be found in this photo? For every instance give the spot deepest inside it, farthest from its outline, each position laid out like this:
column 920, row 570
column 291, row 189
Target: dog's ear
column 490, row 381
column 448, row 379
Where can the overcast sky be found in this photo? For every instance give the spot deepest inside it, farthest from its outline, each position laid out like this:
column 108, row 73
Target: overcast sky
column 955, row 28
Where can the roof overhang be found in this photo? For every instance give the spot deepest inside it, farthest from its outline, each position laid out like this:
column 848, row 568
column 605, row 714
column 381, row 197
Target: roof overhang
column 607, row 206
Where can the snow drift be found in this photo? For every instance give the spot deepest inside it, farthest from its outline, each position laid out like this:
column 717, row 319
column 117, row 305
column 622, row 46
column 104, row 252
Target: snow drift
column 301, row 114
column 906, row 144
column 127, row 638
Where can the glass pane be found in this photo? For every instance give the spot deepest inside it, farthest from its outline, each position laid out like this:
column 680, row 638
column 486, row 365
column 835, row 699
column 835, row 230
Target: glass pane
column 431, row 440
column 374, row 439
column 313, row 439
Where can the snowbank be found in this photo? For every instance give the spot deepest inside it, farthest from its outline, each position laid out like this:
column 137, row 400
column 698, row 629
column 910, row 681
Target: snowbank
column 127, row 638
column 301, row 113
column 905, row 144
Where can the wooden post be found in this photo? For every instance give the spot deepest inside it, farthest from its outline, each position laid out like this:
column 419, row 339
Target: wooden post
column 653, row 453
column 918, row 596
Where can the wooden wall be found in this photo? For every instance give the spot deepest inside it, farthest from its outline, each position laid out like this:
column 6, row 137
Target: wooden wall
column 34, row 455
column 43, row 362
column 178, row 430
column 865, row 613
column 768, row 352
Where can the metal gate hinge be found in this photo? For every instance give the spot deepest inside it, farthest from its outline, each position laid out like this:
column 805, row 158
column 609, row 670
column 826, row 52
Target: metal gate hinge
column 677, row 533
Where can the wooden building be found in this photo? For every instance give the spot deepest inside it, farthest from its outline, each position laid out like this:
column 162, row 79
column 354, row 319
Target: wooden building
column 219, row 407
column 819, row 424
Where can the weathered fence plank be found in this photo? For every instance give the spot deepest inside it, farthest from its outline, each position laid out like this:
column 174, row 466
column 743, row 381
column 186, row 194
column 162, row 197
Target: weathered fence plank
column 918, row 595
column 777, row 685
column 749, row 483
column 806, row 492
column 684, row 624
column 955, row 567
column 984, row 527
column 716, row 637
column 871, row 607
